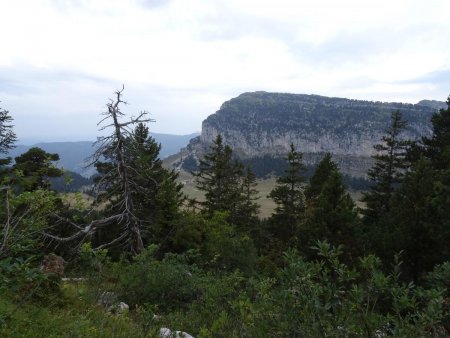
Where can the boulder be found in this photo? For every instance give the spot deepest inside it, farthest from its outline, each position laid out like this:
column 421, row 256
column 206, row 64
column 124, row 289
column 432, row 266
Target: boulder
column 53, row 264
column 168, row 333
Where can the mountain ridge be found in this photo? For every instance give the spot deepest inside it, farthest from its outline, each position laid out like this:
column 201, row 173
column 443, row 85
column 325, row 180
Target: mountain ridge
column 256, row 124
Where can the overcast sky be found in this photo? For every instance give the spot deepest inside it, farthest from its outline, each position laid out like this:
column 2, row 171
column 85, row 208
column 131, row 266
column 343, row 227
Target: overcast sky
column 60, row 60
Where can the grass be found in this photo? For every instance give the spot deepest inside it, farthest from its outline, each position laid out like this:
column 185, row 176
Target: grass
column 68, row 313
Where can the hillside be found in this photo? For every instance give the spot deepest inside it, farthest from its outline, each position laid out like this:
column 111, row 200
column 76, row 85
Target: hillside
column 262, row 125
column 261, row 122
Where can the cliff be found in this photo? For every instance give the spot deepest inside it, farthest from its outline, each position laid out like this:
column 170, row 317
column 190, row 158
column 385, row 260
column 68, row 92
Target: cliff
column 267, row 123
column 260, row 125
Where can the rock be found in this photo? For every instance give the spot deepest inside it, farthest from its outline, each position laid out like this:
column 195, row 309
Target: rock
column 123, row 307
column 53, row 264
column 119, row 309
column 168, row 333
column 107, row 299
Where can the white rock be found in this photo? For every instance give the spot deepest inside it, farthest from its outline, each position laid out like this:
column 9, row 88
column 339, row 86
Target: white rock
column 123, row 307
column 168, row 333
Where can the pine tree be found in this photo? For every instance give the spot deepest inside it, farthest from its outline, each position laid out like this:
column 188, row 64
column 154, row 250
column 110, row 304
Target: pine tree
column 122, row 195
column 414, row 224
column 34, row 168
column 387, row 171
column 248, row 208
column 290, row 199
column 156, row 194
column 7, row 136
column 331, row 213
column 323, row 171
column 219, row 177
column 437, row 148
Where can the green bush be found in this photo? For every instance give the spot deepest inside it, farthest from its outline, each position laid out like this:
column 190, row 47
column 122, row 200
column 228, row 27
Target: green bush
column 169, row 283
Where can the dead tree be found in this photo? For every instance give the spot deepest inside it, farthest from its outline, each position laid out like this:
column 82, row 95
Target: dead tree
column 113, row 148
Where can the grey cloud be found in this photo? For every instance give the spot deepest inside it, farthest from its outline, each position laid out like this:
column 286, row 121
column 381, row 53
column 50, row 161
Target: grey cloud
column 153, row 3
column 438, row 77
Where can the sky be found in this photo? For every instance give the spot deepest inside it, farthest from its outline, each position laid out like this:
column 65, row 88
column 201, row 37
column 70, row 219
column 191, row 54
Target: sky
column 62, row 60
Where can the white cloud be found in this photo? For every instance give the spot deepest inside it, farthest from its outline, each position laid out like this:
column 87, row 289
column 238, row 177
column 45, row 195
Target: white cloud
column 184, row 58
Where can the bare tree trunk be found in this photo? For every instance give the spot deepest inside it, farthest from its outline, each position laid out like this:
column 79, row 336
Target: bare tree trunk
column 114, row 146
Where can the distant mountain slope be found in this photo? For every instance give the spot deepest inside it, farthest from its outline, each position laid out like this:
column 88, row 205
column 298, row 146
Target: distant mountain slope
column 73, row 155
column 260, row 127
column 260, row 122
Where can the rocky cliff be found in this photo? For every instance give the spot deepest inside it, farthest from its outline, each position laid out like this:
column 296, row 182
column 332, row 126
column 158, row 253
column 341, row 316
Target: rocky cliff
column 260, row 123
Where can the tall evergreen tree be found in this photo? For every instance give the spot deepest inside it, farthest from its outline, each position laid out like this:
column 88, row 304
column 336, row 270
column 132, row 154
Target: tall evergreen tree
column 248, row 208
column 219, row 177
column 323, row 171
column 418, row 221
column 289, row 196
column 332, row 214
column 7, row 136
column 114, row 148
column 413, row 223
column 437, row 148
column 387, row 171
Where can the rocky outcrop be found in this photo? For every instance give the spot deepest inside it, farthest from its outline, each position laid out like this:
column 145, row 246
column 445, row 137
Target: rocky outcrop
column 259, row 124
column 267, row 123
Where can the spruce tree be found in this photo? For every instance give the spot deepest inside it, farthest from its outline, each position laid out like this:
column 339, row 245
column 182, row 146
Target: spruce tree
column 331, row 213
column 414, row 224
column 114, row 148
column 219, row 177
column 388, row 170
column 323, row 171
column 156, row 194
column 290, row 199
column 437, row 148
column 7, row 137
column 248, row 208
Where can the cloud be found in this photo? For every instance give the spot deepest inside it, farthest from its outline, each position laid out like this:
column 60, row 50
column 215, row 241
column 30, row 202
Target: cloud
column 181, row 59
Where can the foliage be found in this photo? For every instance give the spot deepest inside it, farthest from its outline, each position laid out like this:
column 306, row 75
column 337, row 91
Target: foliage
column 387, row 171
column 70, row 182
column 24, row 218
column 328, row 298
column 290, row 199
column 331, row 213
column 154, row 190
column 168, row 283
column 34, row 168
column 69, row 314
column 7, row 135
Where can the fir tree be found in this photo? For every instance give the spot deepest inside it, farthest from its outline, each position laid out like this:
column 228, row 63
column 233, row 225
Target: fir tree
column 249, row 208
column 7, row 135
column 387, row 171
column 437, row 148
column 156, row 194
column 289, row 196
column 332, row 214
column 219, row 177
column 323, row 171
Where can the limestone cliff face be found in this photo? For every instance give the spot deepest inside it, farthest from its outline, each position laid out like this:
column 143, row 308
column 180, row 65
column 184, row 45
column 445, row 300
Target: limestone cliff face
column 260, row 123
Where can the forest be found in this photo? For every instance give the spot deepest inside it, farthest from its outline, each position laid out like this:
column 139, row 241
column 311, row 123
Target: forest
column 142, row 257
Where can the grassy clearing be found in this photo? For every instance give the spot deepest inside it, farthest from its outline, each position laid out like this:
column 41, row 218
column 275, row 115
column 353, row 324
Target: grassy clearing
column 264, row 187
column 69, row 313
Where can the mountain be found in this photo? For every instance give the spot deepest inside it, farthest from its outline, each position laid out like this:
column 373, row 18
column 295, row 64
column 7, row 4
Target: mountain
column 258, row 124
column 74, row 155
